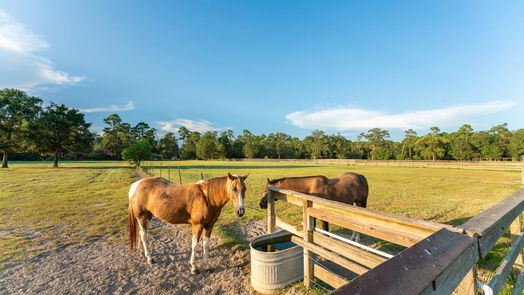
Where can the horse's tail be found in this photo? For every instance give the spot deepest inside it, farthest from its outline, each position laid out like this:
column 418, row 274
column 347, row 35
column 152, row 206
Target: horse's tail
column 132, row 228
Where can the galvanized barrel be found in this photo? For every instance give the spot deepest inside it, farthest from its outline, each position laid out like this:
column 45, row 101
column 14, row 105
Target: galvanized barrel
column 271, row 271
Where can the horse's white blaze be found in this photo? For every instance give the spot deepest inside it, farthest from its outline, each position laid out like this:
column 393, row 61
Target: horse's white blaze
column 133, row 188
column 240, row 197
column 200, row 181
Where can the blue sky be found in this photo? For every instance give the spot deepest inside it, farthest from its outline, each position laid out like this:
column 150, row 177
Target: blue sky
column 269, row 66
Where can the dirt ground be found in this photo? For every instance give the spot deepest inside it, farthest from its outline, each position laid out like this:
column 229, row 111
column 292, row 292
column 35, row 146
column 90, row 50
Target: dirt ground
column 101, row 267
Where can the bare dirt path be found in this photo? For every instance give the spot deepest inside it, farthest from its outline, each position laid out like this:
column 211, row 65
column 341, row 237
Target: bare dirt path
column 101, row 267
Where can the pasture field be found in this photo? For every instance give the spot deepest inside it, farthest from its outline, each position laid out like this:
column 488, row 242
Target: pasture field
column 44, row 209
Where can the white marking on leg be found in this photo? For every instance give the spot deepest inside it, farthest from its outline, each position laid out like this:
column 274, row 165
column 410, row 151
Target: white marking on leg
column 205, row 245
column 194, row 243
column 143, row 236
column 357, row 238
column 133, row 188
column 352, row 236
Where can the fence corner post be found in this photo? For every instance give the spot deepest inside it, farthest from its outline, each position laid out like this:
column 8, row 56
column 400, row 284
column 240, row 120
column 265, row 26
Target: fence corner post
column 307, row 229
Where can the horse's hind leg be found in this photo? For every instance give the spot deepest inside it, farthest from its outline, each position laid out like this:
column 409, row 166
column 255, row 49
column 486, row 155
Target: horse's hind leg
column 205, row 245
column 197, row 231
column 142, row 225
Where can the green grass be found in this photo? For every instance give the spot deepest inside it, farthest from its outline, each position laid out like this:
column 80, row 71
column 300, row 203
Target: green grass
column 43, row 209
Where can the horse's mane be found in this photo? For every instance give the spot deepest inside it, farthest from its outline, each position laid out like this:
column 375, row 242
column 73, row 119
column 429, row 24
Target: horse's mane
column 215, row 185
column 277, row 180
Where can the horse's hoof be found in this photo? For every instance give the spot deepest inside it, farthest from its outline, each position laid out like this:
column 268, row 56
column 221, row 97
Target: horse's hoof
column 195, row 271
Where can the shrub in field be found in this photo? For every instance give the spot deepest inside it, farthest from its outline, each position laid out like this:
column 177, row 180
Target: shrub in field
column 137, row 152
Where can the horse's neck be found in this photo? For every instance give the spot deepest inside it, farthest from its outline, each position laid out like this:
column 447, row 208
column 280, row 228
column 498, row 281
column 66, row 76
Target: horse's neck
column 217, row 196
column 297, row 185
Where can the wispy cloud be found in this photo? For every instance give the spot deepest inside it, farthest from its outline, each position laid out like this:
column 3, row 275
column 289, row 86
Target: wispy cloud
column 348, row 118
column 112, row 108
column 193, row 125
column 21, row 67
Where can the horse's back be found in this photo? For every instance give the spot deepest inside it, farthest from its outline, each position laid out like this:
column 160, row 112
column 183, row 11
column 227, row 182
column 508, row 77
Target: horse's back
column 354, row 185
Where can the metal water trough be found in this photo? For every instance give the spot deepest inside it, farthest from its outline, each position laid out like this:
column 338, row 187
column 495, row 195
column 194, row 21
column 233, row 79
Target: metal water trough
column 271, row 271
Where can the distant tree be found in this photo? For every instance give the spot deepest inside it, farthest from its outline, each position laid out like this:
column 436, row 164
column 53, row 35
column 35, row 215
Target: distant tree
column 17, row 109
column 60, row 130
column 188, row 150
column 138, row 152
column 208, row 147
column 278, row 143
column 516, row 144
column 408, row 143
column 251, row 144
column 226, row 139
column 316, row 144
column 435, row 131
column 503, row 137
column 377, row 140
column 339, row 146
column 168, row 146
column 431, row 147
column 461, row 144
column 139, row 131
column 117, row 135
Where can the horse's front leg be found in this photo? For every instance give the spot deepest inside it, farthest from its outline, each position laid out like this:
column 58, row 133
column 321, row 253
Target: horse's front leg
column 197, row 231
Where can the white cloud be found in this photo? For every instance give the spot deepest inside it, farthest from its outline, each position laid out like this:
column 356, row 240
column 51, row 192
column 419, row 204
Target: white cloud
column 112, row 108
column 193, row 125
column 348, row 118
column 21, row 67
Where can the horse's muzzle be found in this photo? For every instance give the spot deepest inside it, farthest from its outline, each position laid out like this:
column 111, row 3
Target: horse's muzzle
column 240, row 212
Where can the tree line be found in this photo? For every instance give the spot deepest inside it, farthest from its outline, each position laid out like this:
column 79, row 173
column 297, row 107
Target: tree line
column 56, row 131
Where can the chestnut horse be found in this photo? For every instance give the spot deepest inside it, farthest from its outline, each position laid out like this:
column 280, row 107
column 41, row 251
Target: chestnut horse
column 349, row 188
column 198, row 203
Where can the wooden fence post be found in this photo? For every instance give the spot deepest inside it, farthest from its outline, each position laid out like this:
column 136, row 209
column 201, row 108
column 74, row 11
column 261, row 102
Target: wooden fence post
column 308, row 227
column 522, row 174
column 515, row 229
column 271, row 213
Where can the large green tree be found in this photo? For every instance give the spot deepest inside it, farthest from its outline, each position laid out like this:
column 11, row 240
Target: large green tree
column 377, row 139
column 208, row 147
column 168, row 146
column 117, row 135
column 516, row 144
column 17, row 109
column 60, row 130
column 138, row 152
column 431, row 147
column 317, row 144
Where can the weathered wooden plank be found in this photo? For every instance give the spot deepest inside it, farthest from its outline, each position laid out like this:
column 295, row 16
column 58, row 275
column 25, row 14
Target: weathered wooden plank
column 505, row 267
column 308, row 223
column 491, row 224
column 329, row 277
column 435, row 265
column 360, row 225
column 349, row 251
column 320, row 203
column 332, row 256
column 290, row 199
column 289, row 227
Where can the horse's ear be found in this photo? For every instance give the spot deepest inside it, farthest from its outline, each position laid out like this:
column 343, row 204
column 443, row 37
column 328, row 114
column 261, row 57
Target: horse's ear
column 245, row 176
column 268, row 181
column 230, row 176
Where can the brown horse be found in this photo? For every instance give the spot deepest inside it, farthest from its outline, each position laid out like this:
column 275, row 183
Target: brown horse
column 349, row 188
column 198, row 204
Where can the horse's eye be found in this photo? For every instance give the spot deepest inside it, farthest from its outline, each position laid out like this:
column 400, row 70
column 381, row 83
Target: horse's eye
column 235, row 189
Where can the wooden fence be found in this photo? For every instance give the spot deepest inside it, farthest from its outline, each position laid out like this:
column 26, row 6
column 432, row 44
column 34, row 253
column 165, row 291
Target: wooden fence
column 440, row 259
